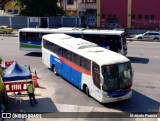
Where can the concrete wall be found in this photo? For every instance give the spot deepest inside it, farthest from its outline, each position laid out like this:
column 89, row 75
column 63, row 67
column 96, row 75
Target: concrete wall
column 18, row 22
column 4, row 21
column 70, row 22
column 52, row 22
column 55, row 22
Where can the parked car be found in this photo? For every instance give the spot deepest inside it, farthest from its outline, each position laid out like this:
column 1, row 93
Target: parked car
column 5, row 30
column 149, row 35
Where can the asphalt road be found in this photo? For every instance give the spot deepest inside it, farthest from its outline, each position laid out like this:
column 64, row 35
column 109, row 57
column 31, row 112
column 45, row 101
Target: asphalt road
column 145, row 58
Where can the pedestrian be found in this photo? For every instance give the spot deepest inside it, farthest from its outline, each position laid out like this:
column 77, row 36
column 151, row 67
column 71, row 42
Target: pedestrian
column 31, row 95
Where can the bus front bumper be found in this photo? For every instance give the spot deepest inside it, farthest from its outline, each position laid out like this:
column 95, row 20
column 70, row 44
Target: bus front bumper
column 107, row 99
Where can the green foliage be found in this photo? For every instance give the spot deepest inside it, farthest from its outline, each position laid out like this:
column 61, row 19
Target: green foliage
column 1, row 1
column 38, row 7
column 0, row 61
column 1, row 83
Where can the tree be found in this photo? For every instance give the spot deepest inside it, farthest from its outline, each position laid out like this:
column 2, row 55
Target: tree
column 38, row 7
column 2, row 87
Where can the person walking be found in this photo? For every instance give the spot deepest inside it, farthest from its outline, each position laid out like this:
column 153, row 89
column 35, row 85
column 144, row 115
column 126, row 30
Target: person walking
column 31, row 95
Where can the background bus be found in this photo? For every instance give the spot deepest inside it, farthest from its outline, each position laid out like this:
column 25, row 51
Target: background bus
column 115, row 40
column 100, row 73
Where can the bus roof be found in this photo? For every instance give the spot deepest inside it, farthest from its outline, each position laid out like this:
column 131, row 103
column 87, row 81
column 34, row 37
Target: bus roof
column 73, row 30
column 86, row 49
column 103, row 32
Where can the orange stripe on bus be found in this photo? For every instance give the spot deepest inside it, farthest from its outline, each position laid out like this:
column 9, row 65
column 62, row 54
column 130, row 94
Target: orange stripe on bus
column 76, row 67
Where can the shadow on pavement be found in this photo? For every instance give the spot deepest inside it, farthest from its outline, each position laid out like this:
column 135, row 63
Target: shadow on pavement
column 34, row 54
column 138, row 60
column 44, row 105
column 138, row 103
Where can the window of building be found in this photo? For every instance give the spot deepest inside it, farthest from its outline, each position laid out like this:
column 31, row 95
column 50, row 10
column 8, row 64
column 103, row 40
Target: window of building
column 70, row 2
column 103, row 16
column 152, row 17
column 146, row 17
column 139, row 16
column 133, row 17
column 88, row 1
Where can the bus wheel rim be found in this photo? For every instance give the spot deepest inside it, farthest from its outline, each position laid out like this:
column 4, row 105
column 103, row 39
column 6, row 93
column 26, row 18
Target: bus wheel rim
column 54, row 70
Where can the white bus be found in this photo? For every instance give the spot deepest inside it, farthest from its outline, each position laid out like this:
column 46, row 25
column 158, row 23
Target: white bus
column 115, row 40
column 100, row 73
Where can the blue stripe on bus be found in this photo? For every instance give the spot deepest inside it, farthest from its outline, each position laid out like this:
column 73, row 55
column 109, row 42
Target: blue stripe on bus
column 118, row 93
column 35, row 42
column 67, row 72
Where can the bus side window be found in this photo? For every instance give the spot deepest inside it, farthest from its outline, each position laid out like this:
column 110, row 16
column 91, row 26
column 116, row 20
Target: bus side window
column 64, row 53
column 85, row 63
column 69, row 55
column 75, row 35
column 22, row 35
column 76, row 59
column 51, row 47
column 30, row 36
column 58, row 50
column 45, row 44
column 39, row 36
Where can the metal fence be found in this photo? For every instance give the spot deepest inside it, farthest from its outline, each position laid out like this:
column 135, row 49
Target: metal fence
column 18, row 22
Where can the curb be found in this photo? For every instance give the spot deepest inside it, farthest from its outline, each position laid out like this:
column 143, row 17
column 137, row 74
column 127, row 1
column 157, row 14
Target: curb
column 9, row 35
column 132, row 39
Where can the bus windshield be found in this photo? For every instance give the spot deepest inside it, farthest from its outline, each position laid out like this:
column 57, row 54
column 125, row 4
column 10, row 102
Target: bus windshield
column 117, row 76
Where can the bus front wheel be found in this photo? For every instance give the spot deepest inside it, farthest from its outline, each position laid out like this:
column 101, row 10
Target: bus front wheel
column 86, row 90
column 54, row 70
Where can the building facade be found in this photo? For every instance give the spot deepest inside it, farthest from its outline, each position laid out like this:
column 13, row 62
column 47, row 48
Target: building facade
column 70, row 6
column 130, row 13
column 88, row 13
column 7, row 6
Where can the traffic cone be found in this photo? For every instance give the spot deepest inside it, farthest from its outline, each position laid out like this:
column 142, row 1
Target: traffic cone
column 34, row 80
column 36, row 75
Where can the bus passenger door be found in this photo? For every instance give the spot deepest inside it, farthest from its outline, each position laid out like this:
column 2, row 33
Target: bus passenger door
column 96, row 80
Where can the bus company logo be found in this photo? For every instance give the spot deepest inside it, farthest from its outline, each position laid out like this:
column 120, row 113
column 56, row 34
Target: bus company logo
column 6, row 115
column 57, row 60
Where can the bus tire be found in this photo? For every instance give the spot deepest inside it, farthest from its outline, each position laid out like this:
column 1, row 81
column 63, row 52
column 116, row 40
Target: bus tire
column 86, row 90
column 139, row 37
column 54, row 70
column 156, row 38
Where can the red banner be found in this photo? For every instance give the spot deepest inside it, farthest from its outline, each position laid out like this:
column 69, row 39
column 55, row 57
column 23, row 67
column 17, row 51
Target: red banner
column 16, row 86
